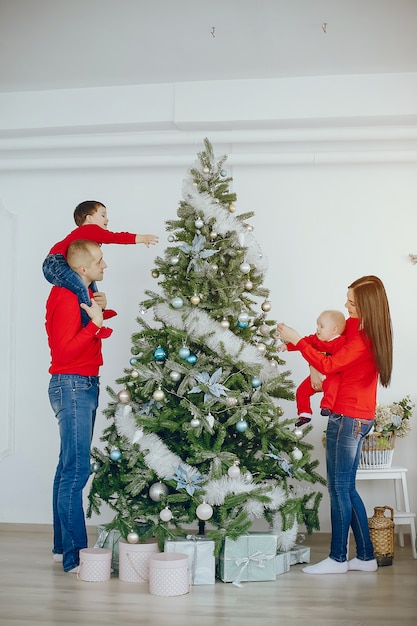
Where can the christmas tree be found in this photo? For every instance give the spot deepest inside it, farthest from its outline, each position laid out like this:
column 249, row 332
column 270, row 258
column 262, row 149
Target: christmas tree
column 196, row 435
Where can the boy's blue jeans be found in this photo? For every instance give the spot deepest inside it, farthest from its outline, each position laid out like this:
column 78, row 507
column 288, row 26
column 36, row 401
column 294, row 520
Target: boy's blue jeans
column 57, row 271
column 344, row 439
column 74, row 400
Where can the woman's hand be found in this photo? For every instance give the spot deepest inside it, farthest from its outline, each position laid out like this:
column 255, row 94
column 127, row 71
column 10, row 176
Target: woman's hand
column 316, row 379
column 287, row 334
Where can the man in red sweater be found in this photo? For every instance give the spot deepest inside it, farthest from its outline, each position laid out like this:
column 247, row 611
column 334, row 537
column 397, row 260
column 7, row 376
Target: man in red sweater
column 73, row 393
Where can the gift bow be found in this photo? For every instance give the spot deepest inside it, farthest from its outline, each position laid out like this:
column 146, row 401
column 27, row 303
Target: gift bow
column 243, row 563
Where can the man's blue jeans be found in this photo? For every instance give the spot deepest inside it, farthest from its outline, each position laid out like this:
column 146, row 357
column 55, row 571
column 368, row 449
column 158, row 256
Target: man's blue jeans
column 74, row 400
column 344, row 439
column 57, row 271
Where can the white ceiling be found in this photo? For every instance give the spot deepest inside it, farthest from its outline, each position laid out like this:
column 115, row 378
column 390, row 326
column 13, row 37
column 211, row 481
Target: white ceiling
column 58, row 44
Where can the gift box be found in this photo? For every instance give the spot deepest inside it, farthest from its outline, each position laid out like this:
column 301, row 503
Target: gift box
column 299, row 554
column 109, row 539
column 282, row 563
column 200, row 552
column 251, row 557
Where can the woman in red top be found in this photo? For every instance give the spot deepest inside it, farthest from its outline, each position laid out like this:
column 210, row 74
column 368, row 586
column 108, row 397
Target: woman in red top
column 365, row 359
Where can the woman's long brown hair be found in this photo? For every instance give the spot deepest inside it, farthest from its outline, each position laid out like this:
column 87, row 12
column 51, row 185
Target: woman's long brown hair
column 373, row 310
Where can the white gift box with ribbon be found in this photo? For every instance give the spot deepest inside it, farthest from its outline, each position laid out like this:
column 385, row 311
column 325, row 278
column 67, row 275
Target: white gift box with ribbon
column 251, row 557
column 200, row 551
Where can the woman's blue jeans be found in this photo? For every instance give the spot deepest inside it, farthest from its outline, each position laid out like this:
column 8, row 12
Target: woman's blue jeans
column 74, row 400
column 344, row 439
column 57, row 271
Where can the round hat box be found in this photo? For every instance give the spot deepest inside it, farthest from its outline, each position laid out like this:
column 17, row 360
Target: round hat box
column 134, row 560
column 169, row 574
column 95, row 564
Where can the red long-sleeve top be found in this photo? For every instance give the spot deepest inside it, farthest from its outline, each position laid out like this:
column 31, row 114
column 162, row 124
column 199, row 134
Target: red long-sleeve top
column 92, row 232
column 356, row 396
column 74, row 349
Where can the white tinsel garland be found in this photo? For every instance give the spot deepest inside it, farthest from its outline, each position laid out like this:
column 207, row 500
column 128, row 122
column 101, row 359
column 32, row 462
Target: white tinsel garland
column 225, row 223
column 197, row 323
column 163, row 462
column 286, row 539
column 157, row 455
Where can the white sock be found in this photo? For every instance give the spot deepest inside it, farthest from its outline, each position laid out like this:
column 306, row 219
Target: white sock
column 328, row 566
column 363, row 566
column 57, row 558
column 74, row 570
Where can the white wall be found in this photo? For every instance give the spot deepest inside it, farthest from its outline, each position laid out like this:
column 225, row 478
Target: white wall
column 334, row 194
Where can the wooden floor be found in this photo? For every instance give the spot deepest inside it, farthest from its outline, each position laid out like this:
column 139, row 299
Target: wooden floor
column 34, row 590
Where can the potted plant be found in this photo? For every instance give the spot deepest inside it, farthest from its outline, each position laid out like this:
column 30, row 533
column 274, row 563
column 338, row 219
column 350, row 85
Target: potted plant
column 391, row 421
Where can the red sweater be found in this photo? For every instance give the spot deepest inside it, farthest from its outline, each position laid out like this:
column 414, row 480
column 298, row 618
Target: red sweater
column 74, row 349
column 92, row 232
column 356, row 396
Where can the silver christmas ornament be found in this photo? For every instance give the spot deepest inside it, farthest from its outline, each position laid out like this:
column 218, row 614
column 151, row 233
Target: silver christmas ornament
column 132, row 537
column 158, row 395
column 261, row 348
column 248, row 285
column 199, row 223
column 266, row 306
column 195, row 422
column 244, row 268
column 234, row 471
column 166, row 514
column 264, row 329
column 175, row 260
column 175, row 376
column 298, row 433
column 224, row 323
column 297, row 454
column 157, row 491
column 204, row 511
column 124, row 396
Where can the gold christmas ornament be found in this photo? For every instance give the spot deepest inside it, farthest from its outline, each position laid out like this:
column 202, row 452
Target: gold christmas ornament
column 195, row 299
column 266, row 306
column 232, row 208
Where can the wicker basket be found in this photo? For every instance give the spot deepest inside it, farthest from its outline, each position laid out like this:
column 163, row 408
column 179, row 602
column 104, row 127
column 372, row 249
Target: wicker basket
column 381, row 529
column 377, row 451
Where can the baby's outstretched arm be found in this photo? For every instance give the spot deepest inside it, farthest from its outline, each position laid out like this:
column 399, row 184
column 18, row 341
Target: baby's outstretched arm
column 413, row 258
column 147, row 239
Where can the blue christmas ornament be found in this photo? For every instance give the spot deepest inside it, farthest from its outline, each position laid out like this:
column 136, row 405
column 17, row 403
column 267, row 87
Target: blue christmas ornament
column 159, row 354
column 242, row 324
column 241, row 426
column 133, row 360
column 177, row 302
column 115, row 454
column 94, row 467
column 191, row 359
column 256, row 382
column 184, row 352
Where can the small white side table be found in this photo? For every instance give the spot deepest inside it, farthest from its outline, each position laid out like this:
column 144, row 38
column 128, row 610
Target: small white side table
column 402, row 513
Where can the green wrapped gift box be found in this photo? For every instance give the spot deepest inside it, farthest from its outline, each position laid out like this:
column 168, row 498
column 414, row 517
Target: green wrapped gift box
column 109, row 539
column 251, row 557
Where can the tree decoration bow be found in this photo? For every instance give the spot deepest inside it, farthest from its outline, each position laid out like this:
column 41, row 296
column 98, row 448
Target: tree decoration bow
column 210, row 385
column 189, row 482
column 197, row 251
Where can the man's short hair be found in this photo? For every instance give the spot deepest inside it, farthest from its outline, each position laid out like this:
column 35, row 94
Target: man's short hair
column 81, row 252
